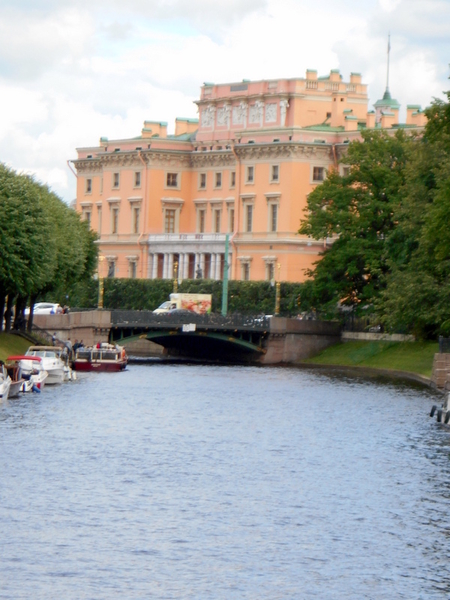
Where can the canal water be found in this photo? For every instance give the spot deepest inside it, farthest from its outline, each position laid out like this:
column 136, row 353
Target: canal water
column 194, row 481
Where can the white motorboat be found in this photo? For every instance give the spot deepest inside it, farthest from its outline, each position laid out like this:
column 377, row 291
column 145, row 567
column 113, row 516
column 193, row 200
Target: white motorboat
column 31, row 370
column 52, row 362
column 5, row 383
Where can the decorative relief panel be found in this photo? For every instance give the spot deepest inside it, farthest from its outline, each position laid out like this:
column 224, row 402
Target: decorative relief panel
column 223, row 115
column 240, row 114
column 256, row 112
column 207, row 116
column 205, row 159
column 271, row 113
column 287, row 151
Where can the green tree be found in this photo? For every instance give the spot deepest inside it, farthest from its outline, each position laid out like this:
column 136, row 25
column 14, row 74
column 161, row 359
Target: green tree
column 357, row 211
column 417, row 296
column 46, row 248
column 27, row 256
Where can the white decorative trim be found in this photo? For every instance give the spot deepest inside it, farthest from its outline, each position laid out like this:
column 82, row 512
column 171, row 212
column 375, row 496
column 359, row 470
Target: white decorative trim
column 168, row 200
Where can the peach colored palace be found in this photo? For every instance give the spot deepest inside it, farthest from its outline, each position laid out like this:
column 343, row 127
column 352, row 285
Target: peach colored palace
column 163, row 204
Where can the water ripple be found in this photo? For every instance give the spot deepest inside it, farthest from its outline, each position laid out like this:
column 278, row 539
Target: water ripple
column 176, row 481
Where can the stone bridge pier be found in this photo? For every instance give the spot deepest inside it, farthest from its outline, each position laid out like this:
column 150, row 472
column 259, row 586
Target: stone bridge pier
column 292, row 340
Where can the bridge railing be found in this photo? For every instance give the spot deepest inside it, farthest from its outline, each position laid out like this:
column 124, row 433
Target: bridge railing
column 146, row 317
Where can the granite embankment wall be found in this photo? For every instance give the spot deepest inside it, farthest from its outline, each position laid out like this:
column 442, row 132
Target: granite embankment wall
column 292, row 341
column 440, row 376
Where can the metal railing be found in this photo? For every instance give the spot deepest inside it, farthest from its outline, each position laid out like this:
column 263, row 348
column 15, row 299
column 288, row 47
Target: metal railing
column 132, row 318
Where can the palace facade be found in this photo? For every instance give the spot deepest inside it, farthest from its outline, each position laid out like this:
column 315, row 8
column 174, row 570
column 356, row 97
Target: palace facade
column 167, row 206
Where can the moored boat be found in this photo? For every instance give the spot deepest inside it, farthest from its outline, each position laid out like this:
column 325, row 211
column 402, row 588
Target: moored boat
column 103, row 357
column 31, row 370
column 5, row 383
column 17, row 381
column 52, row 362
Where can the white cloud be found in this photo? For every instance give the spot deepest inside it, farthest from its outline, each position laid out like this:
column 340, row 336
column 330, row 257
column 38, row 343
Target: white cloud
column 71, row 73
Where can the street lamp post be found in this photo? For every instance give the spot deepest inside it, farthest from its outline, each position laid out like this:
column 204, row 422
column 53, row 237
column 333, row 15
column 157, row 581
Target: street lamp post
column 175, row 277
column 100, row 283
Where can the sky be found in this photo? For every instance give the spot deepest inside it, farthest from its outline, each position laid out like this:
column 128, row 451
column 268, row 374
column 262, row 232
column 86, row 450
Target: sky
column 72, row 72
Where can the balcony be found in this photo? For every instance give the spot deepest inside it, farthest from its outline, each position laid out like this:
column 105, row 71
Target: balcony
column 186, row 237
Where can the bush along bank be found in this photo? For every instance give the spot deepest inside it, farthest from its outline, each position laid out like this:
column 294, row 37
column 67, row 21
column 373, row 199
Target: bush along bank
column 245, row 297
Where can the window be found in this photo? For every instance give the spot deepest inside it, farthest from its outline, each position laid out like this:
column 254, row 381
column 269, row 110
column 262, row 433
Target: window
column 270, row 271
column 275, row 173
column 132, row 270
column 111, row 268
column 248, row 226
column 232, row 179
column 137, row 179
column 116, row 180
column 201, row 218
column 172, row 179
column 346, row 171
column 231, row 219
column 273, row 217
column 88, row 186
column 218, row 180
column 245, row 271
column 202, row 181
column 114, row 220
column 87, row 216
column 250, row 174
column 135, row 215
column 216, row 220
column 318, row 174
column 169, row 220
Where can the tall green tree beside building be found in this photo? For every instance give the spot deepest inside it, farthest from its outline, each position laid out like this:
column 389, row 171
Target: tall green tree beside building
column 357, row 210
column 417, row 296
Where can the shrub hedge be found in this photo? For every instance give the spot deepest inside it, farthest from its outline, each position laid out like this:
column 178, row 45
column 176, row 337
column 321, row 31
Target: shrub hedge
column 244, row 297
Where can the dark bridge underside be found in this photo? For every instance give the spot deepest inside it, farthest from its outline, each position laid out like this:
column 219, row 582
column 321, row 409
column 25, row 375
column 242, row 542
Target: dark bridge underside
column 206, row 346
column 209, row 337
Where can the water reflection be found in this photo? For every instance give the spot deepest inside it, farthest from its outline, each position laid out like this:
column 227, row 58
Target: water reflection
column 174, row 481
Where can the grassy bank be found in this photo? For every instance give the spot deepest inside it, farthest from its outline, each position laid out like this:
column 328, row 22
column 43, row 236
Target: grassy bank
column 413, row 357
column 12, row 344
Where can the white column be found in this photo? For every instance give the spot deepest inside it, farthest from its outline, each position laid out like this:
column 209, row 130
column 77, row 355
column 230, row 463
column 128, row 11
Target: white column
column 186, row 266
column 202, row 264
column 170, row 267
column 197, row 264
column 212, row 266
column 166, row 266
column 154, row 266
column 218, row 265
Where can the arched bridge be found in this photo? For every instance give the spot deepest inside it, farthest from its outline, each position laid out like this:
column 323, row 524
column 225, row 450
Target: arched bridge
column 212, row 336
